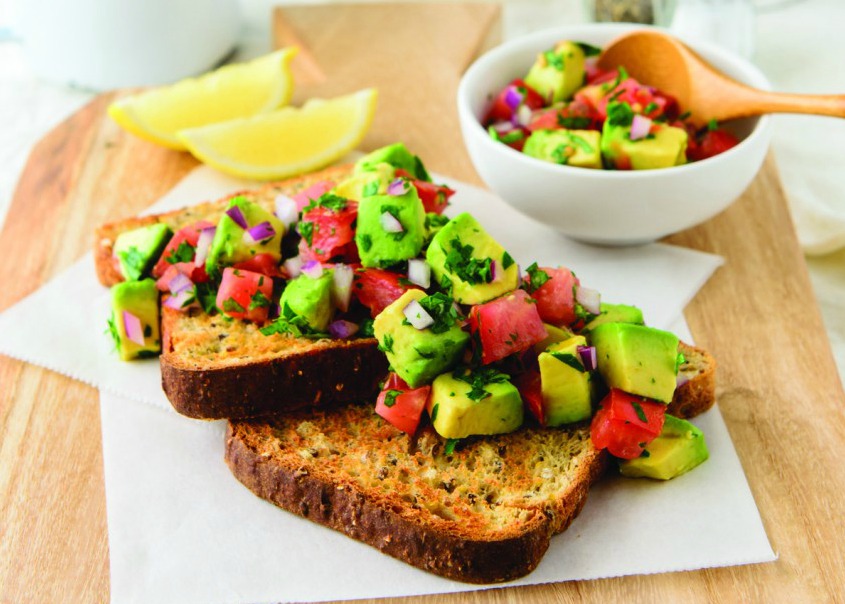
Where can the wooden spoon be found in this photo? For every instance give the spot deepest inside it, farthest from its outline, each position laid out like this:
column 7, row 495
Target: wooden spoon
column 661, row 61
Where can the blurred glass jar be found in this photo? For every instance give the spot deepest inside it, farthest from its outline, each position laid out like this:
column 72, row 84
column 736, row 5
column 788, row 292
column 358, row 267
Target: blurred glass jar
column 651, row 12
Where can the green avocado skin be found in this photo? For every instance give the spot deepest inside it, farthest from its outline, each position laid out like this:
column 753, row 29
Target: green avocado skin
column 138, row 250
column 139, row 298
column 379, row 248
column 637, row 359
column 309, row 298
column 679, row 448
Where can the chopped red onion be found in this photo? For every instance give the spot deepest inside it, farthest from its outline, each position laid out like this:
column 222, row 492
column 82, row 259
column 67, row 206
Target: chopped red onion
column 588, row 357
column 179, row 283
column 589, row 298
column 502, row 127
column 390, row 223
column 513, row 97
column 293, row 266
column 180, row 300
column 494, row 271
column 261, row 231
column 286, row 210
column 237, row 215
column 313, row 269
column 203, row 245
column 681, row 380
column 419, row 273
column 342, row 329
column 397, row 187
column 132, row 327
column 342, row 286
column 417, row 315
column 640, row 127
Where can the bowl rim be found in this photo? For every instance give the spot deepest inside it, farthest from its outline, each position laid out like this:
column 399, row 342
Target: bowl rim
column 749, row 71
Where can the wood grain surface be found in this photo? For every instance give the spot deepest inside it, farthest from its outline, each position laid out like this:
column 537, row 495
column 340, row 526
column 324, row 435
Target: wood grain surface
column 778, row 388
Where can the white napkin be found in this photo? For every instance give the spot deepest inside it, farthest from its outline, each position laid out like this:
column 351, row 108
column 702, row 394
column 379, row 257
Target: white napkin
column 809, row 149
column 181, row 529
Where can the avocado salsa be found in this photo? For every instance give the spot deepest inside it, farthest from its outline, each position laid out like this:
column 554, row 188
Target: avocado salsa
column 568, row 111
column 476, row 346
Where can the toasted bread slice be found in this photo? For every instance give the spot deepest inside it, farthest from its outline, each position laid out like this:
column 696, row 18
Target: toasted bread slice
column 482, row 515
column 215, row 368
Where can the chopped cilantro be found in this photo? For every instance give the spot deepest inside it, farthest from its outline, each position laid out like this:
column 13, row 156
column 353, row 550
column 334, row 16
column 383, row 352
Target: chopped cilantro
column 569, row 359
column 183, row 253
column 306, row 229
column 562, row 153
column 652, row 106
column 206, row 294
column 512, row 136
column 335, row 203
column 638, row 409
column 536, row 278
column 478, row 379
column 424, row 354
column 148, row 331
column 442, row 310
column 579, row 142
column 554, row 60
column 390, row 397
column 712, row 125
column 685, row 115
column 291, row 323
column 434, row 411
column 449, row 449
column 365, row 241
column 365, row 328
column 114, row 332
column 460, row 262
column 645, row 453
column 232, row 305
column 435, row 221
column 386, row 345
column 679, row 360
column 573, row 122
column 619, row 114
column 507, row 261
column 446, row 285
column 419, row 170
column 259, row 300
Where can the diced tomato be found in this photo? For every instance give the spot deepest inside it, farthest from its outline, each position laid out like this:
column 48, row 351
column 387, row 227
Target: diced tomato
column 506, row 325
column 377, row 289
column 401, row 405
column 315, row 191
column 188, row 235
column 594, row 74
column 510, row 98
column 434, row 197
column 530, row 387
column 266, row 264
column 576, row 115
column 193, row 272
column 556, row 298
column 245, row 295
column 326, row 231
column 619, row 426
column 712, row 143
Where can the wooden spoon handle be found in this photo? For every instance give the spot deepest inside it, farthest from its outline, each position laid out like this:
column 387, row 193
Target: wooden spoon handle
column 757, row 102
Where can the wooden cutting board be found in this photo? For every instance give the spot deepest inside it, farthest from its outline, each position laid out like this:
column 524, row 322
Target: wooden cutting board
column 778, row 387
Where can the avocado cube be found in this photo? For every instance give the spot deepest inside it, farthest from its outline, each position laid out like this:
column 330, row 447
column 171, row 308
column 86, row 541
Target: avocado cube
column 555, row 334
column 418, row 355
column 565, row 383
column 139, row 249
column 580, row 148
column 664, row 148
column 462, row 254
column 398, row 156
column 472, row 403
column 230, row 245
column 364, row 184
column 637, row 359
column 376, row 246
column 615, row 313
column 679, row 448
column 558, row 72
column 310, row 299
column 134, row 323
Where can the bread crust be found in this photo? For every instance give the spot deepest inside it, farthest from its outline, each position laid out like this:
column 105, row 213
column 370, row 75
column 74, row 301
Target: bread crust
column 331, row 500
column 698, row 394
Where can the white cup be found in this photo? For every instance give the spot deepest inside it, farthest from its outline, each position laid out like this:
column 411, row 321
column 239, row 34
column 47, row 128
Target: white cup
column 103, row 44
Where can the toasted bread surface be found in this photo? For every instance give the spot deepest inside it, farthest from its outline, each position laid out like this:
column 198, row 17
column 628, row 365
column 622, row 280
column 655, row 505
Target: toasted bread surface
column 483, row 514
column 698, row 393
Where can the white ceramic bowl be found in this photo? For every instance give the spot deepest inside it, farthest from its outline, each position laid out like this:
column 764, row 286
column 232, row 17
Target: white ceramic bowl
column 604, row 206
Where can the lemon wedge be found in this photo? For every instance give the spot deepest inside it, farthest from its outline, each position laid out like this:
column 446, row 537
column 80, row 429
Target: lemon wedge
column 229, row 92
column 286, row 142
